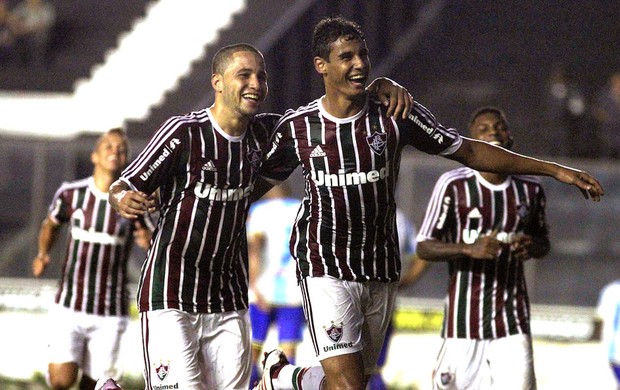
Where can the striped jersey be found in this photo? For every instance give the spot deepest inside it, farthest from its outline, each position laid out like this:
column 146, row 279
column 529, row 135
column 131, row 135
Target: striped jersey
column 198, row 259
column 94, row 274
column 347, row 226
column 486, row 299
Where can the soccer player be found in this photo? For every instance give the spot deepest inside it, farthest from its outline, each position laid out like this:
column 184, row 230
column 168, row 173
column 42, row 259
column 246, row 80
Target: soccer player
column 91, row 308
column 192, row 294
column 485, row 225
column 193, row 290
column 608, row 311
column 345, row 237
column 274, row 296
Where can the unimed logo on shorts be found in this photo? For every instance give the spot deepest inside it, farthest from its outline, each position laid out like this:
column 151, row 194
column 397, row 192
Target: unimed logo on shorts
column 162, row 372
column 334, row 332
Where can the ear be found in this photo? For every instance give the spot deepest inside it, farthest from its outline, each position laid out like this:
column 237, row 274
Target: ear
column 94, row 157
column 216, row 82
column 320, row 65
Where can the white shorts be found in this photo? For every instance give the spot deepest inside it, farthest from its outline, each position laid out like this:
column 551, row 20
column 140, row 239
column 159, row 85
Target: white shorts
column 346, row 317
column 90, row 340
column 196, row 351
column 501, row 364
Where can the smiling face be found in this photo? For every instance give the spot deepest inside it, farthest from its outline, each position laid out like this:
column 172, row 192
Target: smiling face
column 346, row 70
column 492, row 128
column 243, row 84
column 110, row 154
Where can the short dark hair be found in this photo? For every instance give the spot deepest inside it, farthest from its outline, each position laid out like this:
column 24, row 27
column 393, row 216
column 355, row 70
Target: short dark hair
column 488, row 110
column 329, row 30
column 222, row 57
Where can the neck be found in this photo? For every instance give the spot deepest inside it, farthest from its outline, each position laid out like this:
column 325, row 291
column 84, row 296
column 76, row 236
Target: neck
column 342, row 106
column 494, row 178
column 103, row 180
column 232, row 123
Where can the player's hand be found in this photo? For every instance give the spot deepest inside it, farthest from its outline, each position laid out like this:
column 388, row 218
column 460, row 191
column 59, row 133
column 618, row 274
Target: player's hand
column 39, row 264
column 486, row 247
column 521, row 246
column 588, row 185
column 131, row 204
column 152, row 202
column 392, row 95
column 142, row 235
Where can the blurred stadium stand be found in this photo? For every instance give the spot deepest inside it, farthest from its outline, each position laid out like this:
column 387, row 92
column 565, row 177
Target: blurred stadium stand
column 84, row 31
column 453, row 57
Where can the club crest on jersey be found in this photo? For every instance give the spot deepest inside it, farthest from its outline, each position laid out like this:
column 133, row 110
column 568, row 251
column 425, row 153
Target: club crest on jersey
column 523, row 211
column 162, row 370
column 377, row 142
column 445, row 378
column 334, row 332
column 254, row 156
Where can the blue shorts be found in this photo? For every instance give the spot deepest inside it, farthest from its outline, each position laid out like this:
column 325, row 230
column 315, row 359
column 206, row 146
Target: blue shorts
column 616, row 369
column 290, row 322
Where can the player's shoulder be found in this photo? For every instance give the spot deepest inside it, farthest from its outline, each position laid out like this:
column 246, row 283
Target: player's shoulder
column 266, row 121
column 74, row 184
column 461, row 173
column 536, row 180
column 301, row 111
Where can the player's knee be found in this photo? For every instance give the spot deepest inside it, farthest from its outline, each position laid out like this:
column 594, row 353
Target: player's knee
column 60, row 382
column 61, row 377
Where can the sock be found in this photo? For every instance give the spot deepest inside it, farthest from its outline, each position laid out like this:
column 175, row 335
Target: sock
column 255, row 376
column 298, row 378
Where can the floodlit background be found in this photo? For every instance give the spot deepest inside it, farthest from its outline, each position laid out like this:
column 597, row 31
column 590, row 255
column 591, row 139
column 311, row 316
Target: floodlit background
column 134, row 63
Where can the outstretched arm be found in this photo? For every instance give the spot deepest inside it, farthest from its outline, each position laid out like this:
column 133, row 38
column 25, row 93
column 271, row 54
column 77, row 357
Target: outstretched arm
column 485, row 157
column 47, row 237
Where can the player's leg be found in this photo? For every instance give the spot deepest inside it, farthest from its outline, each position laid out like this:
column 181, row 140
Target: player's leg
column 376, row 381
column 260, row 321
column 335, row 318
column 278, row 374
column 330, row 304
column 378, row 319
column 615, row 368
column 461, row 364
column 102, row 349
column 511, row 363
column 225, row 342
column 65, row 348
column 171, row 348
column 290, row 321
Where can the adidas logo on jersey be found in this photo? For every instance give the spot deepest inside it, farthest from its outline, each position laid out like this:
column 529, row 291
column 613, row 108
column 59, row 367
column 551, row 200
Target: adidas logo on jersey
column 317, row 152
column 209, row 166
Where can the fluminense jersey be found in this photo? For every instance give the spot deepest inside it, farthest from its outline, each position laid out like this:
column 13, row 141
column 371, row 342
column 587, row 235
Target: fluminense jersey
column 608, row 309
column 94, row 272
column 346, row 227
column 486, row 299
column 274, row 219
column 198, row 259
